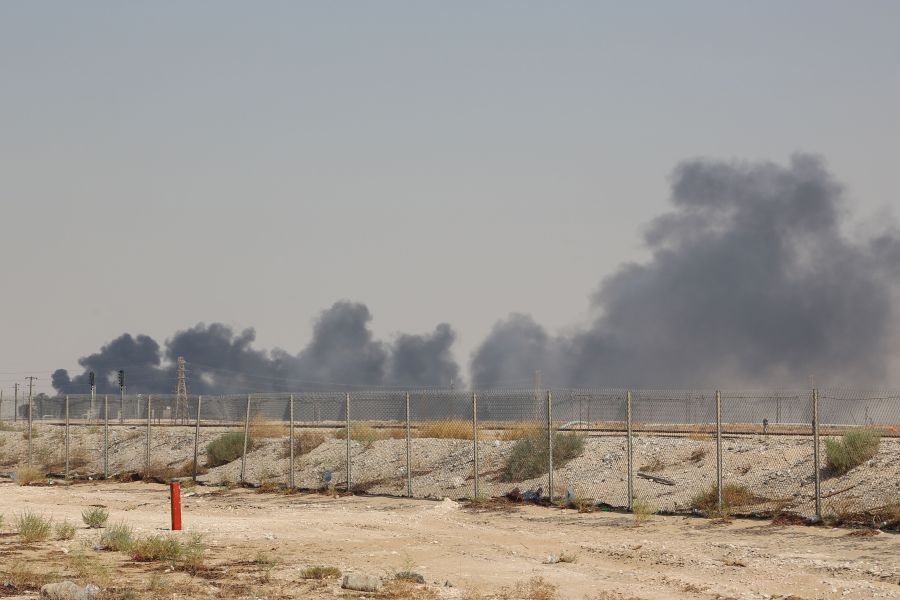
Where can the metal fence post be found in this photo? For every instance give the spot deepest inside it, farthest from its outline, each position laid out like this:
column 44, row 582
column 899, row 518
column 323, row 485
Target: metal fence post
column 105, row 436
column 818, row 474
column 629, row 451
column 149, row 420
column 719, row 450
column 30, row 426
column 246, row 440
column 349, row 465
column 408, row 453
column 475, row 439
column 197, row 438
column 66, row 473
column 550, row 445
column 291, row 444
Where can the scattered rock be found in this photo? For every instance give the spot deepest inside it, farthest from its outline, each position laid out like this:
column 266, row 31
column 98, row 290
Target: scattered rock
column 69, row 591
column 361, row 583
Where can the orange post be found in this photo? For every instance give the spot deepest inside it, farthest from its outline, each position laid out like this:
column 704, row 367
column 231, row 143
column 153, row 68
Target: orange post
column 175, row 495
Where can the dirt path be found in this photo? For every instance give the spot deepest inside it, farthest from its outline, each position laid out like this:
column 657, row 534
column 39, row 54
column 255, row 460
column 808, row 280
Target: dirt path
column 459, row 551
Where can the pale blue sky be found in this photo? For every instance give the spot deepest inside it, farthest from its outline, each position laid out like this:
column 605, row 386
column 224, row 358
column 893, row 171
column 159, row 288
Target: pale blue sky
column 173, row 162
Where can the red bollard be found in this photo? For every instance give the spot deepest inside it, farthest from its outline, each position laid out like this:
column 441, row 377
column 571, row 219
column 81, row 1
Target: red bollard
column 175, row 495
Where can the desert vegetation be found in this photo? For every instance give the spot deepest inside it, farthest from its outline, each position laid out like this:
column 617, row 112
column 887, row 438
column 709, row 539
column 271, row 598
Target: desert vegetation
column 530, row 454
column 850, row 450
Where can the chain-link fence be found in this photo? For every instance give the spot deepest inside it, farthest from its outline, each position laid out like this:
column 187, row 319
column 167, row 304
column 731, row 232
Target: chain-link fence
column 831, row 454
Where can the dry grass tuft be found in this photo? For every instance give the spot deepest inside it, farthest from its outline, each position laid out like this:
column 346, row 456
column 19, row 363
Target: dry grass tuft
column 733, row 495
column 95, row 517
column 265, row 428
column 401, row 589
column 445, row 430
column 853, row 449
column 88, row 568
column 22, row 577
column 304, row 442
column 534, row 589
column 63, row 531
column 642, row 511
column 361, row 433
column 697, row 455
column 515, row 433
column 32, row 527
column 320, row 572
column 29, row 475
column 865, row 532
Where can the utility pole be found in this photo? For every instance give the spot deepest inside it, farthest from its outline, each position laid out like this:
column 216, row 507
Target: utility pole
column 30, row 379
column 92, row 382
column 121, row 396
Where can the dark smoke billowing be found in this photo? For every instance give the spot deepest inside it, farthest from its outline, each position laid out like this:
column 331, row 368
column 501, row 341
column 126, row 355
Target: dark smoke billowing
column 752, row 281
column 342, row 351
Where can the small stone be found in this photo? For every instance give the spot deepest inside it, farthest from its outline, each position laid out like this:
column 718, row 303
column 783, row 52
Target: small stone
column 67, row 590
column 361, row 583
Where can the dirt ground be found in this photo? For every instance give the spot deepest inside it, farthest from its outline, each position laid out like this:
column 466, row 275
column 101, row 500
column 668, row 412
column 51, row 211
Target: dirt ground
column 258, row 544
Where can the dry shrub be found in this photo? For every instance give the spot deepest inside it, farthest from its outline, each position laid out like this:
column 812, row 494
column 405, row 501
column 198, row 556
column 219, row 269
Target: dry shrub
column 225, row 449
column 117, row 538
column 402, row 589
column 88, row 568
column 395, row 433
column 653, row 466
column 642, row 511
column 733, row 495
column 360, row 432
column 864, row 532
column 78, row 458
column 515, row 433
column 853, row 449
column 263, row 428
column 445, row 430
column 95, row 517
column 32, row 527
column 530, row 456
column 320, row 572
column 305, row 442
column 838, row 511
column 164, row 472
column 534, row 589
column 64, row 530
column 697, row 455
column 22, row 577
column 29, row 475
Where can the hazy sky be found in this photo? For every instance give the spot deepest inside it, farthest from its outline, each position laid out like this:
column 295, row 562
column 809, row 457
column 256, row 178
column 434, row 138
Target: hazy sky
column 250, row 163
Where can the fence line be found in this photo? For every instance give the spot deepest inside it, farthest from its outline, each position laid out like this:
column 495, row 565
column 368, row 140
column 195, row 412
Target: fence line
column 435, row 443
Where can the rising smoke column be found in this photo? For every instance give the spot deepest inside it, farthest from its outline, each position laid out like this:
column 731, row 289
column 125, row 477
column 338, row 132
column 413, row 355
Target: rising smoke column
column 342, row 352
column 139, row 355
column 425, row 360
column 752, row 281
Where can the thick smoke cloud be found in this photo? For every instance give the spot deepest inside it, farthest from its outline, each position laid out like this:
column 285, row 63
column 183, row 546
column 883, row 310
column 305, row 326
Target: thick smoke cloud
column 752, row 281
column 341, row 352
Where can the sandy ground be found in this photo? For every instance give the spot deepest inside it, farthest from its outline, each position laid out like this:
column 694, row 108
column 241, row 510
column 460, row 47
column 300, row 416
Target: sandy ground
column 259, row 543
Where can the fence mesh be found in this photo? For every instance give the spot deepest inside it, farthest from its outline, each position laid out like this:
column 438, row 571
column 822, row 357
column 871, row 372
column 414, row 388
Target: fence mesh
column 460, row 444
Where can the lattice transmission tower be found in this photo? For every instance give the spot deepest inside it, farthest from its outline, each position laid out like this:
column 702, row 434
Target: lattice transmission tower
column 181, row 400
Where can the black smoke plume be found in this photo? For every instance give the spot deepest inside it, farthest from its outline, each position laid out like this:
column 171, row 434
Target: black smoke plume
column 752, row 281
column 342, row 353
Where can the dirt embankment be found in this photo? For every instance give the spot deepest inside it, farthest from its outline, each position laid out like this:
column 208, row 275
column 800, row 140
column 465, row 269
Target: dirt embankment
column 776, row 470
